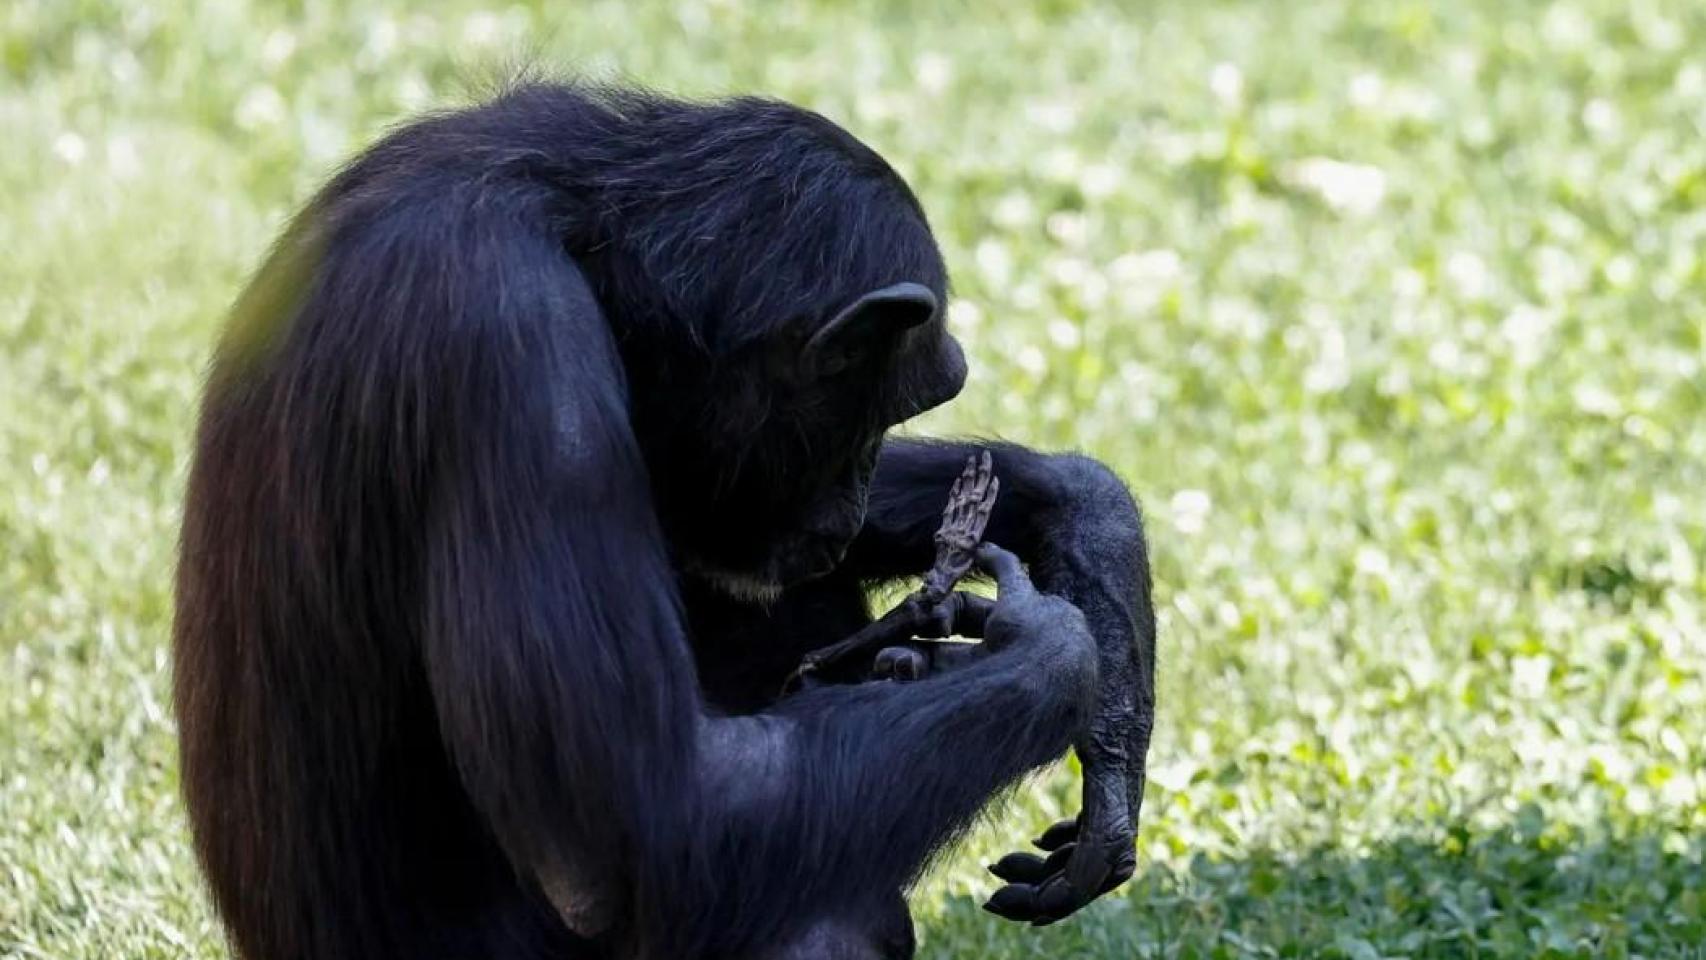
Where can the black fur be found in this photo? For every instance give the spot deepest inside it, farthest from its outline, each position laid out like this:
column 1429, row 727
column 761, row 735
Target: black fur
column 509, row 399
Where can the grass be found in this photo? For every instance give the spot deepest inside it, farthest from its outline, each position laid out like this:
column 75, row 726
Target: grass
column 1394, row 314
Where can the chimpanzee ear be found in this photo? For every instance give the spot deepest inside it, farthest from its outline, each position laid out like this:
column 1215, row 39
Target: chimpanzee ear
column 875, row 316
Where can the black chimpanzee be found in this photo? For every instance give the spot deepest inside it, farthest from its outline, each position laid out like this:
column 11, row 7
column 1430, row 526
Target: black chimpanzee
column 546, row 441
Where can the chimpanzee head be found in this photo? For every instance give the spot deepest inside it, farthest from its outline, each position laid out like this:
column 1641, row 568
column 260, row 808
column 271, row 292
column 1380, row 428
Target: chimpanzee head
column 777, row 295
column 762, row 467
column 797, row 474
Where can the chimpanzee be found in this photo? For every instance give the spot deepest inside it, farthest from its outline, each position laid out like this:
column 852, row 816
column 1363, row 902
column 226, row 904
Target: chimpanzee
column 546, row 441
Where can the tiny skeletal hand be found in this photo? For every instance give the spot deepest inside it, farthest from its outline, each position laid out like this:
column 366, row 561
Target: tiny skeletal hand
column 970, row 503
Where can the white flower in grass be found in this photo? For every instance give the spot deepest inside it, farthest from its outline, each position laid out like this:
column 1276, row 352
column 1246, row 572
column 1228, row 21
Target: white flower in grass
column 1100, row 180
column 1409, row 284
column 964, row 316
column 261, row 106
column 482, row 28
column 1620, row 270
column 1174, row 775
column 1366, row 89
column 1150, row 266
column 934, row 72
column 1690, row 81
column 1054, row 116
column 1330, row 371
column 1594, row 399
column 1226, row 82
column 70, row 148
column 1064, row 333
column 1190, row 510
column 1529, row 676
column 1062, row 164
column 1069, row 228
column 123, row 157
column 1015, row 209
column 1069, row 272
column 1526, row 329
column 1352, row 188
column 1446, row 356
column 1468, row 275
column 994, row 261
column 383, row 36
column 1557, row 273
column 1601, row 118
column 413, row 91
column 278, row 47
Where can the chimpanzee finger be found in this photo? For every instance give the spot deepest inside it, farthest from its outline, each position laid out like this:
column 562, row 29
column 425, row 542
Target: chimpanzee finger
column 1062, row 832
column 950, row 655
column 1020, row 868
column 962, row 614
column 1057, row 899
column 899, row 663
column 1030, row 868
column 1016, row 901
column 1039, row 905
column 1009, row 573
column 939, row 622
column 1120, row 875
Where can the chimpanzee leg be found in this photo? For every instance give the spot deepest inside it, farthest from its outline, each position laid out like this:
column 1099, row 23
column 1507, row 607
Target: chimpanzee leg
column 881, row 930
column 1075, row 523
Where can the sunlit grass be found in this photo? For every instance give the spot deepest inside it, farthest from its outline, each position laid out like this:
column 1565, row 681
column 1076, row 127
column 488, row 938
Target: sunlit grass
column 1394, row 315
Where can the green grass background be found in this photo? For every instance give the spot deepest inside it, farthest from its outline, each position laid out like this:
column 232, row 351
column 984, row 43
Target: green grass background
column 1393, row 314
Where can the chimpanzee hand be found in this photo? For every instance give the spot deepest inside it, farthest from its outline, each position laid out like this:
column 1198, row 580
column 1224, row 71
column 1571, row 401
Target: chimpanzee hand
column 1078, row 868
column 1093, row 853
column 960, row 615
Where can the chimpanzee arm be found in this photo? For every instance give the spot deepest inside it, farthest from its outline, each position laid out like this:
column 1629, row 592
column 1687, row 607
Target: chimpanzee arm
column 1077, row 526
column 556, row 654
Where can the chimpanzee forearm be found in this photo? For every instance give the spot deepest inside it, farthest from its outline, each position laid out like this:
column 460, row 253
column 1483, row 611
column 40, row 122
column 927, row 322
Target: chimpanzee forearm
column 1014, row 708
column 1080, row 530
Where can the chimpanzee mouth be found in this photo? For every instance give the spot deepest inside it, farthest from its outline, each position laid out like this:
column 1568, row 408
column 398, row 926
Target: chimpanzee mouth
column 738, row 584
column 816, row 558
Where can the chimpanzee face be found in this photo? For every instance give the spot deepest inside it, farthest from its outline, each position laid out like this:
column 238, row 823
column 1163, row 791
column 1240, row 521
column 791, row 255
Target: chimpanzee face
column 800, row 458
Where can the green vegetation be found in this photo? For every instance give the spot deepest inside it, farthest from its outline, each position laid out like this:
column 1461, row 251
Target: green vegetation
column 1394, row 314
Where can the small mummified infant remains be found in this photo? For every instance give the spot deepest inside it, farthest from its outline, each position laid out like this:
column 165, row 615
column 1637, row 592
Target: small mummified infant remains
column 890, row 647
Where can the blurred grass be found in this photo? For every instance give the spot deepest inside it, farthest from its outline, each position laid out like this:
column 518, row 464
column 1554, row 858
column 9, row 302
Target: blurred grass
column 1394, row 315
